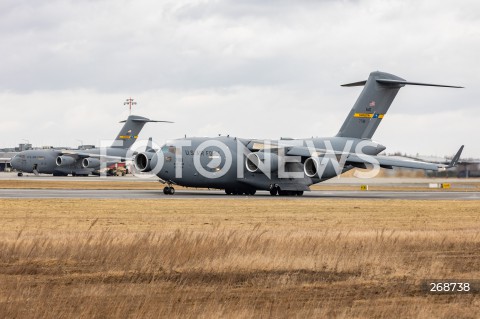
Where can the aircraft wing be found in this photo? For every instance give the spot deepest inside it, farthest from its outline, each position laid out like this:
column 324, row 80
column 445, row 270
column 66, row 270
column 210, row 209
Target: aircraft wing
column 388, row 162
column 255, row 145
column 358, row 161
column 383, row 161
column 305, row 151
column 440, row 160
column 77, row 154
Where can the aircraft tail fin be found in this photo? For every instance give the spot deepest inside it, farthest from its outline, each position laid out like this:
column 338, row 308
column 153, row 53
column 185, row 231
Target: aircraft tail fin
column 373, row 103
column 130, row 131
column 456, row 158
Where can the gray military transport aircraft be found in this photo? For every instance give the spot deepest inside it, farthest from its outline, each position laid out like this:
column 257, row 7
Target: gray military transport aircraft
column 81, row 162
column 287, row 166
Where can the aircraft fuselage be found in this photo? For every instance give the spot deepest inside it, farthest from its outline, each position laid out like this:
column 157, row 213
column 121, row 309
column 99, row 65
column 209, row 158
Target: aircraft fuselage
column 226, row 162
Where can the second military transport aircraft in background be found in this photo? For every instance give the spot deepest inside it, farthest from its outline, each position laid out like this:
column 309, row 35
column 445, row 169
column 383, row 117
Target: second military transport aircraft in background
column 286, row 166
column 81, row 162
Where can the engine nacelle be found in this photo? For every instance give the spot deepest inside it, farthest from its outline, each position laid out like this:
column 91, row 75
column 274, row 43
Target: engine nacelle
column 64, row 160
column 146, row 161
column 256, row 159
column 90, row 162
column 310, row 167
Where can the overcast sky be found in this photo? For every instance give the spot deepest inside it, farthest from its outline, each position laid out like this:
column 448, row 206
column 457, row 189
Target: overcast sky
column 261, row 69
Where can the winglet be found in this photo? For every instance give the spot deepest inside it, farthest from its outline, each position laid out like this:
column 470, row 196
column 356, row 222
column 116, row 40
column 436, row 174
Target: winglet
column 455, row 159
column 149, row 146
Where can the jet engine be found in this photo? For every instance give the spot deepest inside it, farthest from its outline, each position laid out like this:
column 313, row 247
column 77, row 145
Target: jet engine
column 90, row 162
column 64, row 160
column 253, row 161
column 146, row 161
column 310, row 167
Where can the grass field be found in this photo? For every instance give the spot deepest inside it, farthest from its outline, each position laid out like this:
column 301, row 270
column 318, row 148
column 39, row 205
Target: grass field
column 236, row 258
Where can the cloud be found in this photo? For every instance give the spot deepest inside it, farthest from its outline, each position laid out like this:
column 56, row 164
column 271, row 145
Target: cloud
column 248, row 68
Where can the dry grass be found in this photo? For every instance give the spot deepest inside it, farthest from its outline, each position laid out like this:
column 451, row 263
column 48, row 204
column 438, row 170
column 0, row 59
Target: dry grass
column 236, row 258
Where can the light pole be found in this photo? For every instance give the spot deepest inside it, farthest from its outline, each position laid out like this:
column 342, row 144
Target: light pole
column 130, row 102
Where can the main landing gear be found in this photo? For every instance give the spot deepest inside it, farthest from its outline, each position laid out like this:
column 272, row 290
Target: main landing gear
column 230, row 191
column 168, row 190
column 275, row 190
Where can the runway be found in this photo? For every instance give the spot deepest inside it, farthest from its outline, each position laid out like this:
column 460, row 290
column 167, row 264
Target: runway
column 206, row 194
column 154, row 179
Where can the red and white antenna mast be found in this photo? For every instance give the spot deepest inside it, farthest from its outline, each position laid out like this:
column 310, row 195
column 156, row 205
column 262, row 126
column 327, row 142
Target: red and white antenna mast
column 130, row 102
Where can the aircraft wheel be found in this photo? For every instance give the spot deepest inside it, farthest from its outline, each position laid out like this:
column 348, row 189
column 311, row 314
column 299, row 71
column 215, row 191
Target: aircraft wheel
column 274, row 191
column 228, row 191
column 299, row 193
column 252, row 192
column 168, row 190
column 20, row 174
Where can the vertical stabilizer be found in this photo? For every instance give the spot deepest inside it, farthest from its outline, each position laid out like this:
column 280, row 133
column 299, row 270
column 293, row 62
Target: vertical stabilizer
column 371, row 106
column 373, row 103
column 130, row 131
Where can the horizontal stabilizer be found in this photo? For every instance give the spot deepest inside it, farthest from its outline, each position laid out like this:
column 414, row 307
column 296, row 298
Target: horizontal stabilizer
column 143, row 120
column 390, row 82
column 361, row 83
column 402, row 83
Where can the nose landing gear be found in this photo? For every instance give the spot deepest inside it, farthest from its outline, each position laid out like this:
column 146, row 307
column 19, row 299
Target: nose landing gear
column 168, row 190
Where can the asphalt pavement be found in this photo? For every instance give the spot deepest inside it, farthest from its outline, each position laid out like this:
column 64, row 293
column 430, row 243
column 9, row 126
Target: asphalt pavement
column 215, row 194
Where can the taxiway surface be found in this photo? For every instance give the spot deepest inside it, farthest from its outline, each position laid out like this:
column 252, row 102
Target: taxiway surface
column 192, row 194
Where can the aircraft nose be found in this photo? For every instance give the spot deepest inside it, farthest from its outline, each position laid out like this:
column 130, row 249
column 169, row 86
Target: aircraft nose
column 14, row 161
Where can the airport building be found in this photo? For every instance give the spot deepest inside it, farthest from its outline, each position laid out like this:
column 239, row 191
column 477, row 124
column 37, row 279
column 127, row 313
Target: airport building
column 5, row 157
